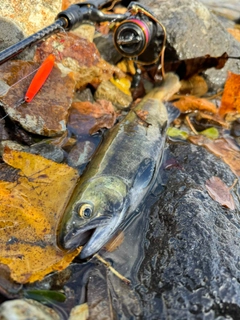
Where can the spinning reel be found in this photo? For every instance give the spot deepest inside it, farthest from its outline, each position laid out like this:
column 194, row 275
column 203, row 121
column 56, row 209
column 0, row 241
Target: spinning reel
column 138, row 36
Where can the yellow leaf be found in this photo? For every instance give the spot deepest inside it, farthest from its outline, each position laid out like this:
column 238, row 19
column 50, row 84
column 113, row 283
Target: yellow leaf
column 30, row 210
column 123, row 84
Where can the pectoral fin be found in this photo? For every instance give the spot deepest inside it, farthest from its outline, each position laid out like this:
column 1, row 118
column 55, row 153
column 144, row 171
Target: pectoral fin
column 144, row 174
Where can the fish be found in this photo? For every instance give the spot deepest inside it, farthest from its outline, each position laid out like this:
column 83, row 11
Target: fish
column 120, row 174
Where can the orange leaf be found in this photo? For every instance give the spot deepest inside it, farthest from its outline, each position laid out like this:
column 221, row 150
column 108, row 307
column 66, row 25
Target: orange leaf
column 231, row 95
column 31, row 207
column 191, row 103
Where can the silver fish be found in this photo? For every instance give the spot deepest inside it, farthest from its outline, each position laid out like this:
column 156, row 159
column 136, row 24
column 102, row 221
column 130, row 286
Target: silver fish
column 120, row 174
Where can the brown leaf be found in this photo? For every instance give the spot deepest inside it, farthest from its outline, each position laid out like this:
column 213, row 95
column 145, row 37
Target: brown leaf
column 222, row 148
column 231, row 95
column 220, row 192
column 192, row 103
column 189, row 67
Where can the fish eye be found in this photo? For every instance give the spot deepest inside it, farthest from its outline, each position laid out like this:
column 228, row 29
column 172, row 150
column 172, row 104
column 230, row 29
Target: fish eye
column 85, row 211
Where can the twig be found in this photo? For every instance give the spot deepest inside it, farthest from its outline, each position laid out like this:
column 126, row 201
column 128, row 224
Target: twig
column 107, row 264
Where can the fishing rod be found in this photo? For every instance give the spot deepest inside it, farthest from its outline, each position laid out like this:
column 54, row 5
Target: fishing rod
column 139, row 35
column 66, row 20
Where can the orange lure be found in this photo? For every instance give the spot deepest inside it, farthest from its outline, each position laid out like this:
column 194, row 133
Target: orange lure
column 40, row 78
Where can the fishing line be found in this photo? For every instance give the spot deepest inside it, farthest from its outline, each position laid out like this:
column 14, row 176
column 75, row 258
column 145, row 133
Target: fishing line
column 41, row 75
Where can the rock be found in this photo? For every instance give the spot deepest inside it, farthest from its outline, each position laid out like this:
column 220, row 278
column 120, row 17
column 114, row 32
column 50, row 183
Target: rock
column 47, row 113
column 21, row 309
column 48, row 151
column 105, row 45
column 229, row 9
column 79, row 56
column 80, row 154
column 191, row 264
column 79, row 312
column 87, row 118
column 84, row 95
column 192, row 31
column 107, row 91
column 10, row 144
column 30, row 16
column 11, row 33
column 85, row 31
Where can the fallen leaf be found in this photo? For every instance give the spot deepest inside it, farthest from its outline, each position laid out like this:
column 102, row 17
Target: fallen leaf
column 230, row 102
column 175, row 133
column 220, row 192
column 192, row 103
column 189, row 67
column 31, row 206
column 123, row 84
column 211, row 133
column 222, row 148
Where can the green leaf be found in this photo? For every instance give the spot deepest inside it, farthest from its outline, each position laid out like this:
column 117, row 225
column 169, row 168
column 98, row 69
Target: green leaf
column 175, row 133
column 45, row 295
column 211, row 133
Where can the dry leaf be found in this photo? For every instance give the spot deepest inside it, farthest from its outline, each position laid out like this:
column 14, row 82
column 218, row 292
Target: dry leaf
column 31, row 206
column 220, row 192
column 222, row 148
column 191, row 103
column 189, row 67
column 231, row 95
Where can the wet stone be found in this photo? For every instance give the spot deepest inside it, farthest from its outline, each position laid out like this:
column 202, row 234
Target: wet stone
column 193, row 31
column 107, row 91
column 48, row 151
column 191, row 265
column 105, row 45
column 47, row 113
column 26, row 309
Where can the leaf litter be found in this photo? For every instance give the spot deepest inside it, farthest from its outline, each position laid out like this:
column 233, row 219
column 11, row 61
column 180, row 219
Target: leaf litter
column 220, row 192
column 30, row 209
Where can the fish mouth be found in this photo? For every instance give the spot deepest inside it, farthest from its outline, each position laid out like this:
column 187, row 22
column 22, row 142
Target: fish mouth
column 79, row 236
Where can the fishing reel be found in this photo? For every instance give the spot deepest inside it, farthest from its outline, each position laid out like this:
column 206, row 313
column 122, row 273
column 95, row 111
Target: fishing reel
column 141, row 36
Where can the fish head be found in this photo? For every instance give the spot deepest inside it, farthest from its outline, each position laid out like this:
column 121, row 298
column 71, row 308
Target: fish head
column 92, row 217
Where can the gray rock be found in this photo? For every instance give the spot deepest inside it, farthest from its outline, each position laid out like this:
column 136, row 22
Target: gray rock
column 48, row 151
column 11, row 34
column 21, row 309
column 191, row 268
column 193, row 31
column 84, row 95
column 105, row 45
